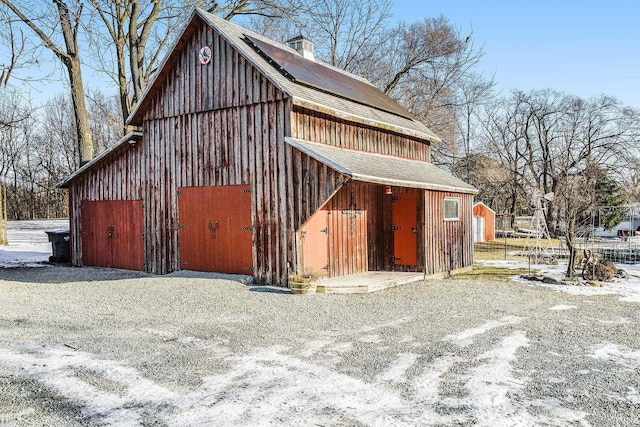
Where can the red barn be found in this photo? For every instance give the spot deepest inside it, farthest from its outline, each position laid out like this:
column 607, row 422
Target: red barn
column 484, row 223
column 253, row 158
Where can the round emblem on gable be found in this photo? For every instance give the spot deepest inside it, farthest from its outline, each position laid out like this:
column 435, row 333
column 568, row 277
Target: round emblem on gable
column 205, row 55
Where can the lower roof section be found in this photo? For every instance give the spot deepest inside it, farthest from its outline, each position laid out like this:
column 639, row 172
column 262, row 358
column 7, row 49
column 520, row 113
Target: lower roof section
column 382, row 169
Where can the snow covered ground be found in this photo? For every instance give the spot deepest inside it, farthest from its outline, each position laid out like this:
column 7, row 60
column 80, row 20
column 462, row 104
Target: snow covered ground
column 628, row 289
column 28, row 243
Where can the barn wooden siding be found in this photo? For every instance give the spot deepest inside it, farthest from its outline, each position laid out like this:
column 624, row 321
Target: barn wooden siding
column 448, row 244
column 318, row 127
column 219, row 124
column 120, row 177
column 361, row 229
column 224, row 124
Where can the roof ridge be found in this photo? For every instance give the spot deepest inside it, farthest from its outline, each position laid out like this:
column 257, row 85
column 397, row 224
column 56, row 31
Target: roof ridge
column 283, row 46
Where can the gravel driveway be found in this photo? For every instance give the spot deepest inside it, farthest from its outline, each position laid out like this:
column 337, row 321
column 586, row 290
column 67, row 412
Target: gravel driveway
column 107, row 347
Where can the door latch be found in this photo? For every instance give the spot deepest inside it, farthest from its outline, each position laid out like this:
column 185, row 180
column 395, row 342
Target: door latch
column 110, row 231
column 213, row 229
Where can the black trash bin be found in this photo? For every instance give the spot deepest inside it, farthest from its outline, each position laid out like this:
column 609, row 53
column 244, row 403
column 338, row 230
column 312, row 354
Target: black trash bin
column 60, row 242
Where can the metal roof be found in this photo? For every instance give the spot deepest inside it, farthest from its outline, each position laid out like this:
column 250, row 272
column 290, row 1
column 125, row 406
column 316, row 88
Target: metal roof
column 312, row 73
column 305, row 96
column 382, row 169
column 310, row 97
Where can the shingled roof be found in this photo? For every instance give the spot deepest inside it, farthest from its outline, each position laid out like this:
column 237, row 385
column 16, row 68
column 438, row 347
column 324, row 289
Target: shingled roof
column 381, row 169
column 301, row 94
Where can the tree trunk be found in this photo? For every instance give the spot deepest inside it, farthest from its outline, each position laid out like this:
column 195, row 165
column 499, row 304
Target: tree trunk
column 122, row 82
column 569, row 239
column 83, row 130
column 70, row 58
column 72, row 61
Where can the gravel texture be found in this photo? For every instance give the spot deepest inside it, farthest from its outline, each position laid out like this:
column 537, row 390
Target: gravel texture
column 108, row 347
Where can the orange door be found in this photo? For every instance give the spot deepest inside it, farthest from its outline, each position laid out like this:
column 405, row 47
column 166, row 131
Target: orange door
column 315, row 244
column 215, row 229
column 112, row 234
column 405, row 212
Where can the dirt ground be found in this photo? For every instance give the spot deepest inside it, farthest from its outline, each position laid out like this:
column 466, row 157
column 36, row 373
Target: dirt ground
column 88, row 346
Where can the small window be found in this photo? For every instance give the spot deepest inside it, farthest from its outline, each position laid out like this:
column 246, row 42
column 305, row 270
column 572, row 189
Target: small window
column 451, row 209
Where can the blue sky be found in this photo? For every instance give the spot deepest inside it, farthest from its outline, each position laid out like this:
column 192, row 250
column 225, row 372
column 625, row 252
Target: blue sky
column 581, row 47
column 585, row 48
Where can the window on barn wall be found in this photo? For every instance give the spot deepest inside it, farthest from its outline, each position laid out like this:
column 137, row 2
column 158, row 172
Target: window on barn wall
column 451, row 209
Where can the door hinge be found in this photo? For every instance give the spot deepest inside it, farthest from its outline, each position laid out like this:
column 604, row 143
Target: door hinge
column 394, row 228
column 178, row 227
column 247, row 228
column 142, row 206
column 184, row 263
column 325, row 230
column 248, row 268
column 179, row 192
column 394, row 259
column 394, row 198
column 246, row 191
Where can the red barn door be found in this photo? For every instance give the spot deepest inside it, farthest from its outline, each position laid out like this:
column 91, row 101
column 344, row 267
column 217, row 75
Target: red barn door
column 112, row 234
column 315, row 244
column 215, row 229
column 405, row 245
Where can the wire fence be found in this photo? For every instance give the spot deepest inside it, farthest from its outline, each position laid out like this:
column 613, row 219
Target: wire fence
column 623, row 250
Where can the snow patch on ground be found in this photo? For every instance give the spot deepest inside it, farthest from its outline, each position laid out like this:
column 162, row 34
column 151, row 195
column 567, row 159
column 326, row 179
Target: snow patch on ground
column 466, row 338
column 491, row 383
column 272, row 386
column 496, row 392
column 617, row 354
column 628, row 289
column 397, row 370
column 28, row 243
column 561, row 307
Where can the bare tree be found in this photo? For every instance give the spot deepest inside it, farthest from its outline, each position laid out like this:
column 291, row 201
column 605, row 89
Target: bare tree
column 564, row 145
column 504, row 130
column 106, row 119
column 423, row 66
column 581, row 194
column 475, row 91
column 270, row 9
column 138, row 33
column 12, row 114
column 57, row 118
column 345, row 31
column 65, row 23
column 14, row 41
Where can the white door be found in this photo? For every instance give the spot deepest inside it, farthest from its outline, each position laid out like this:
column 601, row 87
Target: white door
column 478, row 229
